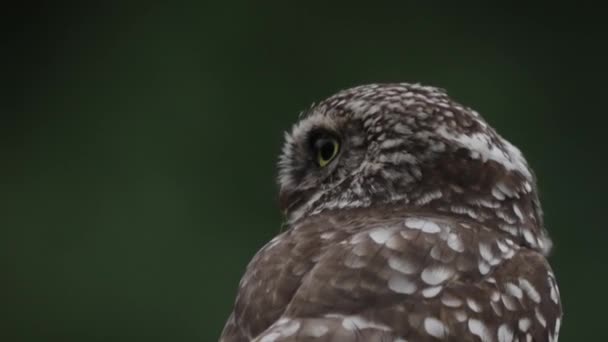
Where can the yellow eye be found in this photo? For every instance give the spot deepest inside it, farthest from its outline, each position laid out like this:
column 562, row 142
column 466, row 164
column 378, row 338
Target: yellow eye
column 325, row 149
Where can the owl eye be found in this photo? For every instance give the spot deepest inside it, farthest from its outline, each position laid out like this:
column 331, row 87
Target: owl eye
column 325, row 147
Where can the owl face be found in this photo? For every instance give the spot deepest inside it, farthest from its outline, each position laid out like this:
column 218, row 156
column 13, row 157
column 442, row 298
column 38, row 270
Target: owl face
column 322, row 153
column 397, row 144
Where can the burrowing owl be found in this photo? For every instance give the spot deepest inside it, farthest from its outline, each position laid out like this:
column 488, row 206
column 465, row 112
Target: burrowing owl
column 408, row 219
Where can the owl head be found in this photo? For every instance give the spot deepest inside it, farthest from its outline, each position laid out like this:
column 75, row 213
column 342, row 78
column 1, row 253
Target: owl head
column 403, row 146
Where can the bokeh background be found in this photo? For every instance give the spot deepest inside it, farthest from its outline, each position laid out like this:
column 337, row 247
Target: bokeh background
column 139, row 143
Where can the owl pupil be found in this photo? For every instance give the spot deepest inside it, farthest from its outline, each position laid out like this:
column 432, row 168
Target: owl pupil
column 327, row 149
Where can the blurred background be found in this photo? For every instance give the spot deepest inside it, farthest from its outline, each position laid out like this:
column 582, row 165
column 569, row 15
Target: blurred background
column 139, row 144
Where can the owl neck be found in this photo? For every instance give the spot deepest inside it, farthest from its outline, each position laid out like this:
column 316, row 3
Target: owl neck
column 500, row 200
column 483, row 191
column 517, row 214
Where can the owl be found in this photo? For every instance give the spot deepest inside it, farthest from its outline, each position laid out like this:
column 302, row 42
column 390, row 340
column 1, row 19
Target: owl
column 408, row 218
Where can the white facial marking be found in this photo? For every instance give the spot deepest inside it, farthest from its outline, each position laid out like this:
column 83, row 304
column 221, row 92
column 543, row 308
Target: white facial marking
column 328, row 235
column 304, row 208
column 401, row 284
column 436, row 274
column 390, row 143
column 428, row 197
column 435, row 327
column 402, row 129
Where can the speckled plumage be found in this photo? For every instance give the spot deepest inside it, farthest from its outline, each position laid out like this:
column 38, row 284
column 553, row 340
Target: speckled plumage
column 426, row 226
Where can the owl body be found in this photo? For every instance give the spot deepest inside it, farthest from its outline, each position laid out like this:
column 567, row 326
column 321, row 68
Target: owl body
column 409, row 219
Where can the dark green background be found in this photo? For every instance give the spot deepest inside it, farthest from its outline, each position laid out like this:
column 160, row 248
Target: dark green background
column 139, row 144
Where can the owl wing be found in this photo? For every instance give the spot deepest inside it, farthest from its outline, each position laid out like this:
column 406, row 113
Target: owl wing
column 416, row 278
